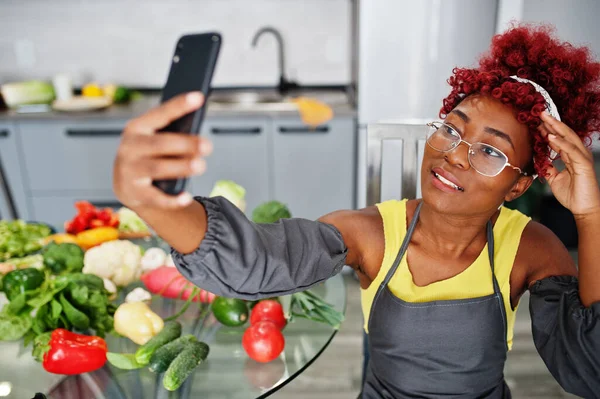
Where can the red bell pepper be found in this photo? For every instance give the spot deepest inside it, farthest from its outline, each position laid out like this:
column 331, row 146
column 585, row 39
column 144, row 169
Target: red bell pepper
column 65, row 352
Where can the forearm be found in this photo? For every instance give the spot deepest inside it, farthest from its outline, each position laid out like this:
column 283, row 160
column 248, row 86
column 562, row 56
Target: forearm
column 183, row 229
column 588, row 229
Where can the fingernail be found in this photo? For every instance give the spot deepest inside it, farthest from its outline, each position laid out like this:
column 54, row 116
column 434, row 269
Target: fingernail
column 551, row 136
column 197, row 165
column 194, row 98
column 185, row 199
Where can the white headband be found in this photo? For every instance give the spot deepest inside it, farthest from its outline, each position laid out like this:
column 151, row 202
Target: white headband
column 550, row 106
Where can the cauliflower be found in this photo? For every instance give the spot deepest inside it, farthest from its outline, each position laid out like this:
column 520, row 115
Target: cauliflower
column 118, row 261
column 153, row 258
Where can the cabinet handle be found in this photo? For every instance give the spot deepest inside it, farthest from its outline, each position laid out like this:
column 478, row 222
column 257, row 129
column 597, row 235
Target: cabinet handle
column 4, row 133
column 106, row 204
column 93, row 133
column 236, row 130
column 303, row 129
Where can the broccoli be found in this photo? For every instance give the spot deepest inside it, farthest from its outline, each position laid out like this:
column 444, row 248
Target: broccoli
column 270, row 212
column 65, row 257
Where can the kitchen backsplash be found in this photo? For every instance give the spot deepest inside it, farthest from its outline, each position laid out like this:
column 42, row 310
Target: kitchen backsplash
column 131, row 41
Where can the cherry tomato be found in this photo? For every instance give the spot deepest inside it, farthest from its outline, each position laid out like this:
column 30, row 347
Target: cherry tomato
column 270, row 310
column 263, row 341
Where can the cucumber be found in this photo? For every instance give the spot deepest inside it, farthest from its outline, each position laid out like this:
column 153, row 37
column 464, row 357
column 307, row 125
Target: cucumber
column 163, row 356
column 230, row 311
column 184, row 364
column 170, row 331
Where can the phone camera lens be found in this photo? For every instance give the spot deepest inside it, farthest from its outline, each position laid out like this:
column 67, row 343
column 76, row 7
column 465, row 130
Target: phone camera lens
column 179, row 45
column 176, row 59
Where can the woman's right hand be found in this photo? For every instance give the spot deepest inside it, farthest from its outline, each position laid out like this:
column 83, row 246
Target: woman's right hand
column 144, row 156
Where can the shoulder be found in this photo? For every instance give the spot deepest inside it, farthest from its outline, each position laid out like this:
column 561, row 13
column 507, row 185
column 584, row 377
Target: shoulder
column 362, row 232
column 541, row 254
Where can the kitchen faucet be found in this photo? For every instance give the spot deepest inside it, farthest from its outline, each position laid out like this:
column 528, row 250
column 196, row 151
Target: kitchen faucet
column 284, row 84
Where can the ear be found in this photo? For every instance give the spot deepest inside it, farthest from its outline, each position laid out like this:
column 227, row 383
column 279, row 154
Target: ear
column 519, row 188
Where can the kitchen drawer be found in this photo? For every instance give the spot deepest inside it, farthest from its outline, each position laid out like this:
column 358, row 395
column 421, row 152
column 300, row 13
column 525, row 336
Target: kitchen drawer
column 241, row 148
column 12, row 189
column 70, row 155
column 314, row 169
column 56, row 210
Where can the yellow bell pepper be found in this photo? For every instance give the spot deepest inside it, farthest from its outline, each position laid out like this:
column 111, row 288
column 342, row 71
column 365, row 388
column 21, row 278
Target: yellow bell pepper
column 92, row 90
column 136, row 321
column 60, row 238
column 93, row 237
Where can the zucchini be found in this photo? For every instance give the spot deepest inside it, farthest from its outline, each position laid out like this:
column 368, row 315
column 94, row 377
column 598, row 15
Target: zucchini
column 163, row 356
column 170, row 331
column 184, row 364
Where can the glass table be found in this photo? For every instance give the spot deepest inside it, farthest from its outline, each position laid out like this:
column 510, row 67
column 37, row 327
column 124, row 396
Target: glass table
column 227, row 373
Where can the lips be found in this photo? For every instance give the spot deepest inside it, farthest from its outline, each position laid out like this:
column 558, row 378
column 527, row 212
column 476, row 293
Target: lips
column 447, row 179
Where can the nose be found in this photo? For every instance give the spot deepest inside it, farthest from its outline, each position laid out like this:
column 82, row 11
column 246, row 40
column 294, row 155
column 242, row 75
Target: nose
column 459, row 156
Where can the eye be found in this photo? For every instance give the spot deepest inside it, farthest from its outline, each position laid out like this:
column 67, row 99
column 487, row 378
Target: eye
column 490, row 152
column 449, row 132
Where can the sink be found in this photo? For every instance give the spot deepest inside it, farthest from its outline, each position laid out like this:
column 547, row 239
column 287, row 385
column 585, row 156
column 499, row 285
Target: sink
column 246, row 97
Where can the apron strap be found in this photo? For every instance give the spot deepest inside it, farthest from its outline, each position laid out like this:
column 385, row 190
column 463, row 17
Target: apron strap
column 497, row 291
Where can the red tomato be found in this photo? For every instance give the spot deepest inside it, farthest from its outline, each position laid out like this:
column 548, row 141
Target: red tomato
column 96, row 223
column 263, row 341
column 270, row 310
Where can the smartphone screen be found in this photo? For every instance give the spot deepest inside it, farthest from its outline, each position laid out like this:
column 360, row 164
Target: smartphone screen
column 192, row 68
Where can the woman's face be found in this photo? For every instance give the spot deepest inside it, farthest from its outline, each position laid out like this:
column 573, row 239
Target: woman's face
column 477, row 119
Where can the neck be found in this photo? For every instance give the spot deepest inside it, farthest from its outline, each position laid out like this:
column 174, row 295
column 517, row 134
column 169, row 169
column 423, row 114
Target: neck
column 452, row 235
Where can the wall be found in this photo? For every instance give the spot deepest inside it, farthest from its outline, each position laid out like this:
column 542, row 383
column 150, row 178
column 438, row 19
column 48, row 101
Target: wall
column 131, row 41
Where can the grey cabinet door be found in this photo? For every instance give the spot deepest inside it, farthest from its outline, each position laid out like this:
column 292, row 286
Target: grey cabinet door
column 314, row 170
column 241, row 148
column 56, row 210
column 13, row 189
column 69, row 155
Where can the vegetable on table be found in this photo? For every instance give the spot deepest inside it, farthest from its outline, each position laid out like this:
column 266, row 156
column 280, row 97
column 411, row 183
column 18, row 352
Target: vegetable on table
column 167, row 282
column 36, row 261
column 138, row 295
column 18, row 239
column 131, row 223
column 60, row 238
column 184, row 364
column 89, row 217
column 136, row 321
column 231, row 312
column 232, row 191
column 263, row 341
column 117, row 260
column 170, row 331
column 161, row 358
column 270, row 212
column 153, row 258
column 92, row 90
column 91, row 238
column 60, row 258
column 65, row 352
column 21, row 280
column 310, row 306
column 269, row 310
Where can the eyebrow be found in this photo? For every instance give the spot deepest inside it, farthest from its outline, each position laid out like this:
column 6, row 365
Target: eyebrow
column 487, row 129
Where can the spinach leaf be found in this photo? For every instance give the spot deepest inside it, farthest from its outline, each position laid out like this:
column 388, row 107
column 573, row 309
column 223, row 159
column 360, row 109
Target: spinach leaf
column 79, row 294
column 74, row 315
column 39, row 322
column 56, row 308
column 17, row 304
column 48, row 295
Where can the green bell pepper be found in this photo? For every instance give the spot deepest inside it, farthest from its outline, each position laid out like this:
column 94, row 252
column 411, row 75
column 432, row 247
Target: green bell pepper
column 21, row 280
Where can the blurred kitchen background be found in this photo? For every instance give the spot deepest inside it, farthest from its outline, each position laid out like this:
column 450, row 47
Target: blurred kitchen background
column 380, row 65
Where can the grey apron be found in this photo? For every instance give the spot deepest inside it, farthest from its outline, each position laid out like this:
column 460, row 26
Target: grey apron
column 439, row 349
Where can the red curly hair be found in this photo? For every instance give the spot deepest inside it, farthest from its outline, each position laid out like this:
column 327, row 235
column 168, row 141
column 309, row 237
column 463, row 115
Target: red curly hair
column 567, row 73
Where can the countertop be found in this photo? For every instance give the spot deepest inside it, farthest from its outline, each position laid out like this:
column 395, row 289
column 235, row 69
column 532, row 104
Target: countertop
column 220, row 104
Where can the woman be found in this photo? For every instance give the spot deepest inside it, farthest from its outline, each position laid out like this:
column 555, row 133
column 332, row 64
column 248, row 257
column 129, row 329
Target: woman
column 441, row 276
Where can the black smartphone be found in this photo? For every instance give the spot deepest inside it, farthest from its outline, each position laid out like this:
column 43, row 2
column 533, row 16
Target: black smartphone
column 192, row 68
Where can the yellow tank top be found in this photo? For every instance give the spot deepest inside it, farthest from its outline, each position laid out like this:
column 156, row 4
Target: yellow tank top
column 473, row 282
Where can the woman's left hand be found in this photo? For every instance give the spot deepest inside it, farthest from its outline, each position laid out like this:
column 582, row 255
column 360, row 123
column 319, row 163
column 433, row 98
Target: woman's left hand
column 576, row 187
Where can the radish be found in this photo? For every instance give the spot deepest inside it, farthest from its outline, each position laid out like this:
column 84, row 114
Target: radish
column 169, row 283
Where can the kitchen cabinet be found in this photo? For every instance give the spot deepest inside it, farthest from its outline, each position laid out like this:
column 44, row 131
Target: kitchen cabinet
column 314, row 169
column 70, row 155
column 241, row 153
column 12, row 179
column 52, row 163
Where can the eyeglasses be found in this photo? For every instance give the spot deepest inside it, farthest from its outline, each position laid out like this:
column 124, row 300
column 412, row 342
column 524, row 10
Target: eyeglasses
column 484, row 158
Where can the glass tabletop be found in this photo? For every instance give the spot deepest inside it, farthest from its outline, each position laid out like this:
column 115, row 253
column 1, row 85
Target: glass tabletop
column 227, row 373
